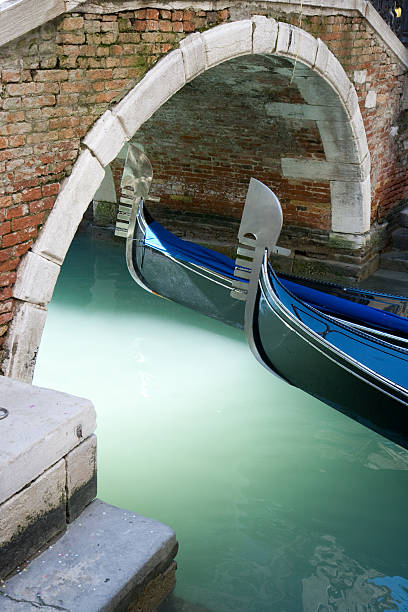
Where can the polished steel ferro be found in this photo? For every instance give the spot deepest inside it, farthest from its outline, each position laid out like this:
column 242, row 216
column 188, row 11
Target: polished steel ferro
column 258, row 234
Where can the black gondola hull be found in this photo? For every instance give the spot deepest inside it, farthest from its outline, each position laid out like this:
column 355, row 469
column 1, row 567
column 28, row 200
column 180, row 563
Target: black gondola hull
column 314, row 366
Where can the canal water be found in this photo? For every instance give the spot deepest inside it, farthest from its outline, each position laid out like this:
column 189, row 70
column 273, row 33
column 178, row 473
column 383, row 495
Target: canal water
column 279, row 502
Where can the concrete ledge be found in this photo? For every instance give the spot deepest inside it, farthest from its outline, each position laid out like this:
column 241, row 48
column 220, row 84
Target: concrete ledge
column 42, row 427
column 108, row 559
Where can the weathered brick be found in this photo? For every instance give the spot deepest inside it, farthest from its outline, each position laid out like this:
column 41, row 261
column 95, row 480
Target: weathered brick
column 17, row 211
column 7, row 278
column 152, row 14
column 22, row 248
column 6, row 317
column 152, row 25
column 6, row 306
column 5, row 294
column 19, row 236
column 31, row 194
column 50, row 189
column 165, row 26
column 69, row 38
column 5, row 228
column 27, row 221
column 10, row 76
column 41, row 205
column 5, row 201
column 51, row 75
column 72, row 23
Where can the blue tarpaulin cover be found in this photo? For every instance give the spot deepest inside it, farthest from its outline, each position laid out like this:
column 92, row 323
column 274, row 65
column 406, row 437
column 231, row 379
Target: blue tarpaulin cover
column 158, row 238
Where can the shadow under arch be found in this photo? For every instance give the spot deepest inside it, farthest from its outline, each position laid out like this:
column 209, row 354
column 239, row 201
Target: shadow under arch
column 346, row 167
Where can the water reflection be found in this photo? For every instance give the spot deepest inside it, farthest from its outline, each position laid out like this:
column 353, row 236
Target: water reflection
column 252, row 474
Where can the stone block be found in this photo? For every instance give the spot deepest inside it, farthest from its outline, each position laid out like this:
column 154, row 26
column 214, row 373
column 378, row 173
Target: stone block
column 351, row 206
column 317, row 170
column 310, row 112
column 36, row 279
column 107, row 560
column 156, row 87
column 360, row 76
column 194, row 56
column 106, row 138
column 264, row 34
column 360, row 136
column 43, row 425
column 81, row 477
column 106, row 190
column 371, row 99
column 23, row 341
column 227, row 41
column 395, row 260
column 317, row 91
column 296, row 43
column 400, row 238
column 73, row 200
column 338, row 141
column 331, row 69
column 403, row 217
column 29, row 519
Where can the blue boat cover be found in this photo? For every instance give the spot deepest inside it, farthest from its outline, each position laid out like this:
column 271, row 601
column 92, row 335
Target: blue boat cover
column 160, row 239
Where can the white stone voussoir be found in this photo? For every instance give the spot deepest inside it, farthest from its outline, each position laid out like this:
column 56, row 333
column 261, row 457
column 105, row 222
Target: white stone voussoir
column 156, row 87
column 36, row 279
column 73, row 200
column 194, row 55
column 106, row 138
column 227, row 41
column 351, row 206
column 296, row 43
column 360, row 136
column 331, row 69
column 265, row 32
column 23, row 340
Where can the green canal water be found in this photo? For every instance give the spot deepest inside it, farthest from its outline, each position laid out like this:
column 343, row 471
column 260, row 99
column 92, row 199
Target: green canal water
column 279, row 502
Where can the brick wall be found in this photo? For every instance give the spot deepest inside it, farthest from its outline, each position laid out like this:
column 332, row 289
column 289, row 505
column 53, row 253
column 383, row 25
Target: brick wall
column 208, row 140
column 57, row 80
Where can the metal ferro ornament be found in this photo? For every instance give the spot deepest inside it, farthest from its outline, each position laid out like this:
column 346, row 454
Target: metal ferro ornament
column 258, row 233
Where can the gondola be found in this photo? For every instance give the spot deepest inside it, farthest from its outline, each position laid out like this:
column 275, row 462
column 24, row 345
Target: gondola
column 347, row 347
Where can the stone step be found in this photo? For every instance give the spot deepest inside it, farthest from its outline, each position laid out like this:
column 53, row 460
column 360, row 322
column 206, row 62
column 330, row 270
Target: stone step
column 400, row 238
column 403, row 218
column 108, row 559
column 395, row 260
column 387, row 281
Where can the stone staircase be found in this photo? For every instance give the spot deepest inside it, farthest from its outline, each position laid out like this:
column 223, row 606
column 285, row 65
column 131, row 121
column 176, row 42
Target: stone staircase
column 397, row 258
column 392, row 274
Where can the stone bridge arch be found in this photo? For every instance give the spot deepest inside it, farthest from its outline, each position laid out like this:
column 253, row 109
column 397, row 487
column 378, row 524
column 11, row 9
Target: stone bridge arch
column 320, row 76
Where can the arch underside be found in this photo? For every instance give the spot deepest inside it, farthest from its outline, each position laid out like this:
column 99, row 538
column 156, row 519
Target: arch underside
column 329, row 101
